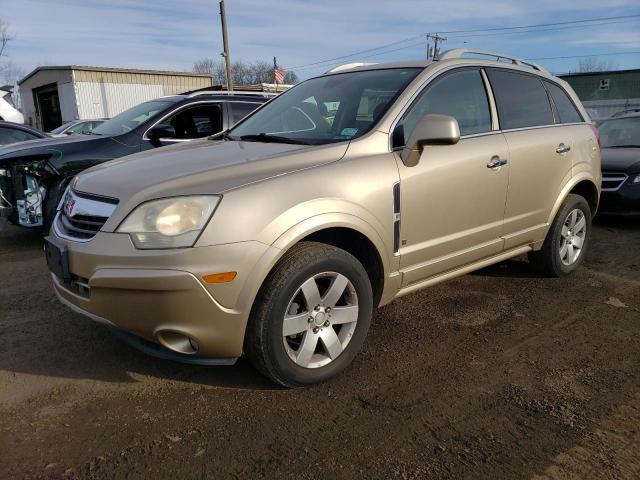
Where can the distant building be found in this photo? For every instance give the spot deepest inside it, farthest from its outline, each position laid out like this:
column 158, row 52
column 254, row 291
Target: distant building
column 51, row 96
column 605, row 93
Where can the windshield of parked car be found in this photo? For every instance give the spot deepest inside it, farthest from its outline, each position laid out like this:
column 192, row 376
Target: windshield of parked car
column 132, row 118
column 326, row 109
column 620, row 132
column 62, row 127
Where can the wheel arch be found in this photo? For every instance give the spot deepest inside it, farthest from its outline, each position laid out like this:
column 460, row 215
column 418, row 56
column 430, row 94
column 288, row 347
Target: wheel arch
column 349, row 233
column 584, row 185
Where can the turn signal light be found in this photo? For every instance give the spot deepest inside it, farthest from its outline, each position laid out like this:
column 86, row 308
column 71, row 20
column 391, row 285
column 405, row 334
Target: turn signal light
column 225, row 277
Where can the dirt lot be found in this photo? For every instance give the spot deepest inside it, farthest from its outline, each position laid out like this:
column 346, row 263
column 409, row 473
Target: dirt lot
column 499, row 374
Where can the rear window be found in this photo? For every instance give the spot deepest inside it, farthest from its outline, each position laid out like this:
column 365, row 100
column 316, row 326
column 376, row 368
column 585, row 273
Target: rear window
column 565, row 108
column 521, row 99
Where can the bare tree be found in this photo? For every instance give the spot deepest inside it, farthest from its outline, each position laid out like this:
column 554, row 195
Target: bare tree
column 244, row 73
column 593, row 64
column 5, row 37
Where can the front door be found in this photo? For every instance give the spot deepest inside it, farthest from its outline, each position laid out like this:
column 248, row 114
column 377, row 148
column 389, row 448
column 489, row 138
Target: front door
column 452, row 201
column 195, row 121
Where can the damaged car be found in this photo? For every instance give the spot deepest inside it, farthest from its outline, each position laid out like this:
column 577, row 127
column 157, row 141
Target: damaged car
column 34, row 174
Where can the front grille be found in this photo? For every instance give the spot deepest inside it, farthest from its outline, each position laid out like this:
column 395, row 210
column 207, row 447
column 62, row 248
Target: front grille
column 81, row 226
column 612, row 181
column 81, row 215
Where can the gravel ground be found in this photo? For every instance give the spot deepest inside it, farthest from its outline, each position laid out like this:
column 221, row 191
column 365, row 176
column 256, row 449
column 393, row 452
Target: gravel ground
column 499, row 374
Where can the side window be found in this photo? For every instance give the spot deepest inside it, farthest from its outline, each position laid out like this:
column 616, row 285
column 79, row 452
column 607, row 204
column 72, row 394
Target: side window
column 567, row 111
column 12, row 135
column 84, row 127
column 197, row 122
column 240, row 110
column 521, row 99
column 460, row 94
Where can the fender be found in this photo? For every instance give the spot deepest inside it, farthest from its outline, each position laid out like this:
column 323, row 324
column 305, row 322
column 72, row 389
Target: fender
column 567, row 188
column 306, row 227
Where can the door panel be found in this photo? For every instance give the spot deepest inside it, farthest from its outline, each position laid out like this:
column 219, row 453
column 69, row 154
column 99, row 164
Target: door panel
column 452, row 206
column 537, row 174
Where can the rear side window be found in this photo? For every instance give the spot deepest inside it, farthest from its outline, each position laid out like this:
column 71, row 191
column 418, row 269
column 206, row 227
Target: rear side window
column 565, row 108
column 240, row 110
column 13, row 135
column 521, row 99
column 460, row 94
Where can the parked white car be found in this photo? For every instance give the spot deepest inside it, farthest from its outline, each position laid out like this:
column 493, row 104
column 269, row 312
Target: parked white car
column 8, row 110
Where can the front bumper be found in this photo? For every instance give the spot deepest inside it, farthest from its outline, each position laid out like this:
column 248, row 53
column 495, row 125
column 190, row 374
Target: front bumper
column 624, row 201
column 159, row 295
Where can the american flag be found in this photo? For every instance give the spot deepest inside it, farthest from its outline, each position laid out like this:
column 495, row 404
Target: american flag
column 279, row 74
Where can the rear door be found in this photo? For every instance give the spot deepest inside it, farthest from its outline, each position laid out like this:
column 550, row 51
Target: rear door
column 452, row 201
column 540, row 153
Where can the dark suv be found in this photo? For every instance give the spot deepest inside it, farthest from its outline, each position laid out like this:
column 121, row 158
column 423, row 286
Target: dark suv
column 34, row 174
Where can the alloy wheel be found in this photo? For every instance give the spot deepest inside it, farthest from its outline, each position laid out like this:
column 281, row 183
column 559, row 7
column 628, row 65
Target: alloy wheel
column 320, row 320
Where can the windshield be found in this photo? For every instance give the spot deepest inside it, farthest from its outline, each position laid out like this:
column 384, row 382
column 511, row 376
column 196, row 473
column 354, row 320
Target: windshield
column 620, row 132
column 132, row 118
column 327, row 109
column 62, row 127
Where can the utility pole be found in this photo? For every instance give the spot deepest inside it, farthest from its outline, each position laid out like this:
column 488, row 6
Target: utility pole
column 225, row 43
column 433, row 54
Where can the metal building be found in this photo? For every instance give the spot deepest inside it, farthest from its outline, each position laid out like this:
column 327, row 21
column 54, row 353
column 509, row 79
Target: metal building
column 51, row 96
column 605, row 93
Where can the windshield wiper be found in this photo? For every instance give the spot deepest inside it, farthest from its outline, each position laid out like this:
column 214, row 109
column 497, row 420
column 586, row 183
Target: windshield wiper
column 623, row 146
column 264, row 137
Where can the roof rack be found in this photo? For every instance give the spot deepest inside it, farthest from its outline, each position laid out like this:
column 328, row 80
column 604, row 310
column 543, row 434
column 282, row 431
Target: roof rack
column 459, row 52
column 234, row 92
column 347, row 66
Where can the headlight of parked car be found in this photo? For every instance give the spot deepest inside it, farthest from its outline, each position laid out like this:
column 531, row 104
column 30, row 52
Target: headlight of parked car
column 170, row 222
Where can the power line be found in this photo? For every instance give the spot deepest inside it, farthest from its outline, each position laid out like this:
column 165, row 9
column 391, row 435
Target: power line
column 609, row 20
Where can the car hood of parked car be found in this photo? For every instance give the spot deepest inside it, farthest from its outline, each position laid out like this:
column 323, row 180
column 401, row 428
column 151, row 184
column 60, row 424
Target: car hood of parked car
column 200, row 167
column 621, row 159
column 42, row 144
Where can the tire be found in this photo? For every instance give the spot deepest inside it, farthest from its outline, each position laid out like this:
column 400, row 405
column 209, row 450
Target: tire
column 51, row 199
column 559, row 255
column 286, row 359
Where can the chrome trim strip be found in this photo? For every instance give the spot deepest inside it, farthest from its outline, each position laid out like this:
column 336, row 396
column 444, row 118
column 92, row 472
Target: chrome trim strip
column 614, row 177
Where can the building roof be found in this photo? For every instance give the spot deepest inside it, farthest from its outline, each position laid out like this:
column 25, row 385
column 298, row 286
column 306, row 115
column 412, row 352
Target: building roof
column 110, row 69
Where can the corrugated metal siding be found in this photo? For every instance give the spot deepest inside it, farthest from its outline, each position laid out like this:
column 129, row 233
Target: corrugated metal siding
column 109, row 99
column 622, row 85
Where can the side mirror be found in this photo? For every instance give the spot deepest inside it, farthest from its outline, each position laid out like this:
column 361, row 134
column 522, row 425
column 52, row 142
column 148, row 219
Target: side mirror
column 432, row 129
column 162, row 130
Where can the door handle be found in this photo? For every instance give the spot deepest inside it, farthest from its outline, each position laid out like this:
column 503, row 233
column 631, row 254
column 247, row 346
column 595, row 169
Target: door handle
column 562, row 148
column 497, row 162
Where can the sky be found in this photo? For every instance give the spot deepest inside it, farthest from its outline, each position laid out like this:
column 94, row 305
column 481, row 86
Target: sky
column 173, row 34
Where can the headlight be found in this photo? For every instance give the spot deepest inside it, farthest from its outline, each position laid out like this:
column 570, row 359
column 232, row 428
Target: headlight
column 170, row 222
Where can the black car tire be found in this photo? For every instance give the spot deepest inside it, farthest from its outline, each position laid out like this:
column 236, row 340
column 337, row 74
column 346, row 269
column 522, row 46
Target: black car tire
column 264, row 342
column 52, row 197
column 547, row 261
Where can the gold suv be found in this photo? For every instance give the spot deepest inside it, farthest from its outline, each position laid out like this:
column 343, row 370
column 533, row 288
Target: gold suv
column 277, row 238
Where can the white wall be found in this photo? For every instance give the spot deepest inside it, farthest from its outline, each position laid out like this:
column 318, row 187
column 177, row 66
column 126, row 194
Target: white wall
column 98, row 100
column 67, row 96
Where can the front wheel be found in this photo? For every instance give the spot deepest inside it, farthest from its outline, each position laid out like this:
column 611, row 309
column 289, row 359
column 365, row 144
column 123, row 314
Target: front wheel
column 311, row 316
column 566, row 244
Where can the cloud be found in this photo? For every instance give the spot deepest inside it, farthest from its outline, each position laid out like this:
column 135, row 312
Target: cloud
column 165, row 34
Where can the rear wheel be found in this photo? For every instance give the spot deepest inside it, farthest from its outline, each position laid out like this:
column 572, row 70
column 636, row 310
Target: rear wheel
column 311, row 316
column 566, row 244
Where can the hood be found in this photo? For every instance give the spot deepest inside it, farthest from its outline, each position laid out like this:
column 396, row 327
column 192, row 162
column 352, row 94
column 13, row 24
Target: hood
column 621, row 159
column 44, row 145
column 200, row 167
